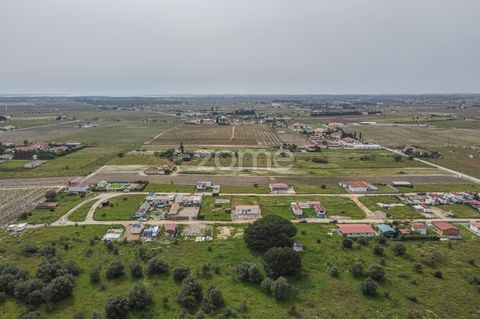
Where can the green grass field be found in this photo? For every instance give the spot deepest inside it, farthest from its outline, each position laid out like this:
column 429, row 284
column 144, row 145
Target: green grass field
column 169, row 188
column 319, row 294
column 210, row 211
column 80, row 213
column 41, row 216
column 122, row 207
column 440, row 188
column 13, row 165
column 461, row 211
column 397, row 212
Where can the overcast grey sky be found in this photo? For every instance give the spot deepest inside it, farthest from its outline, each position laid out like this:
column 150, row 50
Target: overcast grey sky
column 239, row 46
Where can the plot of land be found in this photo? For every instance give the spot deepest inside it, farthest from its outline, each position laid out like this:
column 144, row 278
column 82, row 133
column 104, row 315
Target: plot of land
column 120, row 208
column 461, row 211
column 194, row 135
column 396, row 212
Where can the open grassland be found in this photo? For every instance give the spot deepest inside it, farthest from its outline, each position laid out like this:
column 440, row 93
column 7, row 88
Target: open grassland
column 427, row 137
column 318, row 292
column 440, row 188
column 210, row 211
column 42, row 216
column 120, row 208
column 33, row 121
column 461, row 211
column 463, row 159
column 397, row 212
column 248, row 135
column 170, row 188
column 318, row 189
column 80, row 213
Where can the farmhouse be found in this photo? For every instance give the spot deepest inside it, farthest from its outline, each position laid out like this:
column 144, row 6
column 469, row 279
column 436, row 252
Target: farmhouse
column 47, row 205
column 420, row 228
column 386, row 230
column 279, row 188
column 78, row 188
column 358, row 186
column 475, row 226
column 356, row 230
column 203, row 185
column 296, row 209
column 247, row 211
column 320, row 210
column 446, row 229
column 39, row 146
column 170, row 230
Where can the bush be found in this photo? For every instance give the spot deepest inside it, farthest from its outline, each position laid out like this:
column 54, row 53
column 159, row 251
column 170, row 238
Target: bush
column 191, row 293
column 156, row 266
column 281, row 289
column 249, row 272
column 334, row 272
column 376, row 272
column 347, row 243
column 282, row 261
column 378, row 249
column 399, row 249
column 369, row 287
column 213, row 301
column 270, row 231
column 267, row 285
column 59, row 289
column 72, row 268
column 136, row 270
column 180, row 273
column 116, row 307
column 412, row 298
column 139, row 297
column 438, row 274
column 115, row 270
column 35, row 298
column 417, row 267
column 47, row 270
column 95, row 275
column 381, row 240
column 25, row 287
column 363, row 241
column 29, row 250
column 32, row 315
column 48, row 251
column 357, row 270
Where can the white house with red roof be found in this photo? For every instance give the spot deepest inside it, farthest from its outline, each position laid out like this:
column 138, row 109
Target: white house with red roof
column 475, row 226
column 296, row 209
column 279, row 188
column 356, row 230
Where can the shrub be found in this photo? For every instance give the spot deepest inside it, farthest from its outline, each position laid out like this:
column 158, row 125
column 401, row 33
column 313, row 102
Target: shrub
column 139, row 297
column 136, row 270
column 72, row 268
column 438, row 274
column 417, row 267
column 47, row 270
column 95, row 275
column 156, row 266
column 270, row 231
column 23, row 288
column 282, row 261
column 357, row 270
column 399, row 249
column 59, row 289
column 35, row 298
column 180, row 273
column 32, row 315
column 334, row 272
column 412, row 298
column 347, row 243
column 381, row 240
column 376, row 272
column 249, row 272
column 115, row 270
column 369, row 287
column 29, row 250
column 282, row 290
column 267, row 285
column 48, row 251
column 191, row 293
column 378, row 249
column 213, row 301
column 363, row 241
column 116, row 307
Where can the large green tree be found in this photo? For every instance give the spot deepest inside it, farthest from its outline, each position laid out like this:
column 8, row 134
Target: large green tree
column 270, row 231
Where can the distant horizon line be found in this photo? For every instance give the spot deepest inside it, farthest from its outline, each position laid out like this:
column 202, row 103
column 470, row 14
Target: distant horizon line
column 227, row 94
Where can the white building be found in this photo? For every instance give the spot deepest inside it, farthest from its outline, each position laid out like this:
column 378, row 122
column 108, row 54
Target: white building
column 475, row 226
column 247, row 211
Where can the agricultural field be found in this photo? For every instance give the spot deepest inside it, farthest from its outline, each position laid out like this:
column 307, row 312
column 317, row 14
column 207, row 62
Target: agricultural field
column 404, row 293
column 223, row 135
column 463, row 159
column 440, row 188
column 14, row 202
column 397, row 212
column 169, row 188
column 288, row 136
column 121, row 208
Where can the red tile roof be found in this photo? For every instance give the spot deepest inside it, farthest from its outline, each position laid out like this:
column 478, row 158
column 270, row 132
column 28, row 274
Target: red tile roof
column 358, row 184
column 419, row 225
column 355, row 228
column 444, row 226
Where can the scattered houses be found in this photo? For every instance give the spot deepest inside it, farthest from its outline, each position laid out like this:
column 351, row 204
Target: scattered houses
column 356, row 230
